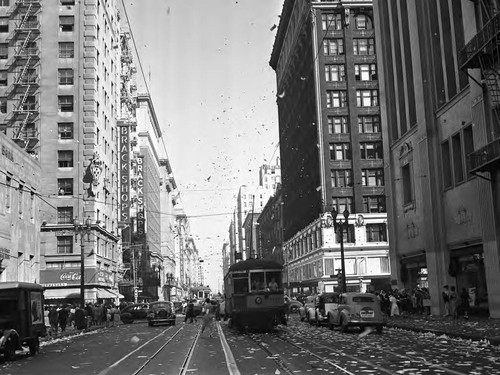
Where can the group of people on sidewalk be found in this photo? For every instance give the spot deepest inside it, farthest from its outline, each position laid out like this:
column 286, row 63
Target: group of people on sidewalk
column 455, row 304
column 58, row 317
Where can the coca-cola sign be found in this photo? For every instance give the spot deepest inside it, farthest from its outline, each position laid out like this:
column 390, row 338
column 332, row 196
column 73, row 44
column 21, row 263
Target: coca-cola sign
column 70, row 276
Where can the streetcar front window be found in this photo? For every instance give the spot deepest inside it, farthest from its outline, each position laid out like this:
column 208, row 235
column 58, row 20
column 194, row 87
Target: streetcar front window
column 273, row 280
column 257, row 281
column 240, row 285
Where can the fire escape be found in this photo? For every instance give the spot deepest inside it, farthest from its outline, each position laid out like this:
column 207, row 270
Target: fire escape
column 483, row 52
column 23, row 68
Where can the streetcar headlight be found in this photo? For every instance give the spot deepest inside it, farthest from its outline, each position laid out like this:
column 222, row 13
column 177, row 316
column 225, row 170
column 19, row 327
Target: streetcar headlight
column 258, row 300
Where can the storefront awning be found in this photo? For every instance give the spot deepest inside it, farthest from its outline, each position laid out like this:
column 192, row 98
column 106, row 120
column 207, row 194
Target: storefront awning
column 105, row 294
column 61, row 293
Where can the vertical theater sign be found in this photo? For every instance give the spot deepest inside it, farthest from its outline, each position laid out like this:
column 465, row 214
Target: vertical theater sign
column 141, row 219
column 124, row 166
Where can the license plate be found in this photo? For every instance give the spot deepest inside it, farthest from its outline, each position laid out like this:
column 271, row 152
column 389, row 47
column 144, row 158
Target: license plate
column 367, row 314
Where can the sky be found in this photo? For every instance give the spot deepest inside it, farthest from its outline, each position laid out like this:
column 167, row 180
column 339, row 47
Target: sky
column 206, row 64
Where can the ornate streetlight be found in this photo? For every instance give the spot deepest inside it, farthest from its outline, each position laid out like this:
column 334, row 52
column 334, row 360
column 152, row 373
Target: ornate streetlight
column 169, row 277
column 339, row 226
column 82, row 229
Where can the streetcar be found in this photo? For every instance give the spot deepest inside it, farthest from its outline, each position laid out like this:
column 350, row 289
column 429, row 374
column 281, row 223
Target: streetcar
column 254, row 295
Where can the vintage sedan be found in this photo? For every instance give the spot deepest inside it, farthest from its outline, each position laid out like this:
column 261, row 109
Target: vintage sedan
column 357, row 310
column 135, row 311
column 308, row 308
column 161, row 312
column 292, row 304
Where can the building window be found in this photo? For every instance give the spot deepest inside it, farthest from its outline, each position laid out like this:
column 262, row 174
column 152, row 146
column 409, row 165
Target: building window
column 372, row 177
column 3, row 105
column 376, row 232
column 341, row 204
column 333, row 46
column 362, row 22
column 4, row 51
column 64, row 244
column 66, row 50
column 371, row 150
column 335, row 72
column 340, row 151
column 338, row 125
column 65, row 186
column 407, row 184
column 66, row 76
column 365, row 72
column 367, row 98
column 331, row 21
column 65, row 130
column 468, row 145
column 64, row 215
column 29, row 103
column 458, row 159
column 363, row 46
column 65, row 103
column 369, row 124
column 4, row 3
column 336, row 99
column 67, row 2
column 4, row 24
column 65, row 159
column 3, row 78
column 66, row 23
column 374, row 204
column 341, row 178
column 29, row 130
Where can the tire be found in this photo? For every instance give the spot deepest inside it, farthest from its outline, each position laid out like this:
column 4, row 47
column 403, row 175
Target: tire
column 318, row 324
column 380, row 329
column 344, row 326
column 330, row 324
column 294, row 309
column 35, row 346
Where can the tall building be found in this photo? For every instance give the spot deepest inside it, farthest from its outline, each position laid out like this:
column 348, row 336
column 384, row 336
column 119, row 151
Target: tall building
column 330, row 133
column 440, row 83
column 71, row 55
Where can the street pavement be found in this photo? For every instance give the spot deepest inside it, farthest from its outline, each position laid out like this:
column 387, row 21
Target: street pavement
column 475, row 328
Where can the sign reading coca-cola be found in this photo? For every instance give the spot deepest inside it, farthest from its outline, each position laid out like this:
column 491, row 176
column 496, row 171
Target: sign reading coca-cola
column 69, row 277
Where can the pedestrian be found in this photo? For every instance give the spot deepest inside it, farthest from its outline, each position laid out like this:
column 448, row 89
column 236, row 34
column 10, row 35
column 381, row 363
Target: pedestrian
column 453, row 303
column 446, row 300
column 63, row 318
column 89, row 309
column 465, row 302
column 80, row 318
column 217, row 311
column 189, row 312
column 287, row 307
column 71, row 320
column 112, row 312
column 394, row 305
column 208, row 317
column 53, row 320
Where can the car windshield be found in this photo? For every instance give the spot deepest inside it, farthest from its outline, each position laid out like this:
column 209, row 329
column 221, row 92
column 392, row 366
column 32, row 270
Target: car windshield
column 363, row 299
column 160, row 306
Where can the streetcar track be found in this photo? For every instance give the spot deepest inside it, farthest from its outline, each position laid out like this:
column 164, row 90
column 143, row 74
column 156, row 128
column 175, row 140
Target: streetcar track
column 140, row 368
column 401, row 356
column 279, row 362
column 187, row 360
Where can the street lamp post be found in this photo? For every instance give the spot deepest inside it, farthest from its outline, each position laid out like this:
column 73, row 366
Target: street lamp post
column 169, row 277
column 339, row 226
column 82, row 229
column 157, row 269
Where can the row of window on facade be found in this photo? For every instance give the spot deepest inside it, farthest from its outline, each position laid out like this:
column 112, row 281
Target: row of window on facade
column 104, row 248
column 338, row 21
column 364, row 98
column 354, row 266
column 362, row 72
column 371, row 204
column 6, row 3
column 360, row 46
column 25, row 199
column 368, row 150
column 375, row 232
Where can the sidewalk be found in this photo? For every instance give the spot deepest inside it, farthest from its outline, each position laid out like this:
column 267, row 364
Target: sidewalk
column 70, row 331
column 475, row 328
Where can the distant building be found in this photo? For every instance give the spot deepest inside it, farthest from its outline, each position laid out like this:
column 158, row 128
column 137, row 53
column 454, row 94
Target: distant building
column 270, row 227
column 331, row 140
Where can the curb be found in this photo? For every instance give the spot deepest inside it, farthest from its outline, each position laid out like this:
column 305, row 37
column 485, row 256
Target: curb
column 492, row 340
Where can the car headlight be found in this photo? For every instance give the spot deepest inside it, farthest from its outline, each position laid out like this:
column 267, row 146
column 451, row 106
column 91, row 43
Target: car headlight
column 258, row 300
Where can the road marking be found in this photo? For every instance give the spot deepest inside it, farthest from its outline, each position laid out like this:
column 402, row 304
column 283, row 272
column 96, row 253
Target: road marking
column 232, row 367
column 105, row 371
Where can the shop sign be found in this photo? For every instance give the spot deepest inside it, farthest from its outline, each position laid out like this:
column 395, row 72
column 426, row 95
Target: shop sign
column 124, row 165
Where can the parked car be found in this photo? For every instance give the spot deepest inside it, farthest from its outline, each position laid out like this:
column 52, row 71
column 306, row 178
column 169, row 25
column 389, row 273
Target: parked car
column 178, row 309
column 357, row 310
column 133, row 312
column 161, row 312
column 324, row 303
column 293, row 305
column 309, row 303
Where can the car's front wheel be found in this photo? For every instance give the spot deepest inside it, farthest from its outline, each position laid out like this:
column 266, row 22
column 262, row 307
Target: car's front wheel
column 344, row 325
